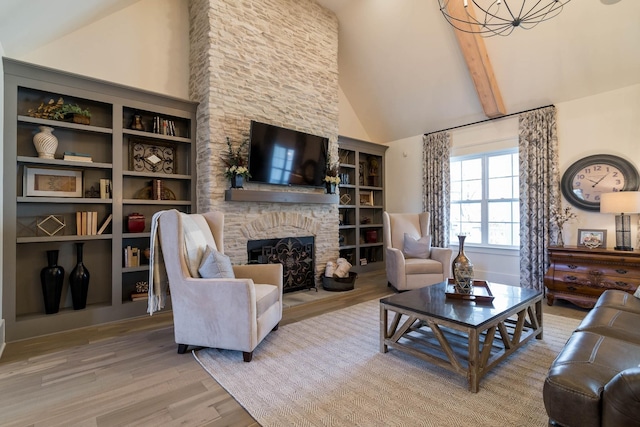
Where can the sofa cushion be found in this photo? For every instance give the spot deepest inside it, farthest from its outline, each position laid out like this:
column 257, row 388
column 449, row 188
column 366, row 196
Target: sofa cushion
column 620, row 300
column 416, row 248
column 266, row 296
column 573, row 387
column 612, row 323
column 215, row 265
column 422, row 266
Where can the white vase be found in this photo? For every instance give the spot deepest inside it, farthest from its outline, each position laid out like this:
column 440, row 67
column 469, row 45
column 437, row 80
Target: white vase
column 45, row 142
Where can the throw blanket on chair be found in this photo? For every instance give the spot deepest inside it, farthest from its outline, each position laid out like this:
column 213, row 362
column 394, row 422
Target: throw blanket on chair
column 194, row 247
column 158, row 280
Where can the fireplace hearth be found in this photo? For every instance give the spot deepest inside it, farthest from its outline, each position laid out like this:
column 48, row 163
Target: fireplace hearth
column 294, row 253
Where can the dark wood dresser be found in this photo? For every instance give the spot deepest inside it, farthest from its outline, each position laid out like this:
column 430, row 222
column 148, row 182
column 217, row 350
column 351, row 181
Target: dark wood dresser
column 581, row 275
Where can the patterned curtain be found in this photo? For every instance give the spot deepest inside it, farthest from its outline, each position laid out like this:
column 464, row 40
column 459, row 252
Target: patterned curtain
column 539, row 192
column 436, row 197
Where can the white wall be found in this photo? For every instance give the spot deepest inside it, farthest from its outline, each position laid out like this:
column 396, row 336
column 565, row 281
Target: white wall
column 145, row 45
column 607, row 123
column 348, row 122
column 2, row 324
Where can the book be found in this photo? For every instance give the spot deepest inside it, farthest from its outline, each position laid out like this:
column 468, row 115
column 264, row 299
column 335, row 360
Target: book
column 94, row 223
column 79, row 223
column 78, row 159
column 74, row 154
column 84, row 224
column 105, row 223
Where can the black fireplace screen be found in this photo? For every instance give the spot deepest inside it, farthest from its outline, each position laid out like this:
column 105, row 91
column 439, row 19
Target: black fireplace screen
column 294, row 253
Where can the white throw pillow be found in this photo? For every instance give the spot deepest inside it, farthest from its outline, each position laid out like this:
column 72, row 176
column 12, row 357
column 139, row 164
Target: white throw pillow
column 420, row 248
column 215, row 265
column 637, row 293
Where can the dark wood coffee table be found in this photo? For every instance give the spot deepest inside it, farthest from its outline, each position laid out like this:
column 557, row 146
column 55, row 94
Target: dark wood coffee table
column 465, row 337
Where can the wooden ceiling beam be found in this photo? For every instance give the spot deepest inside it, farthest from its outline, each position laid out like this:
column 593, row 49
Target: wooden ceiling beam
column 478, row 63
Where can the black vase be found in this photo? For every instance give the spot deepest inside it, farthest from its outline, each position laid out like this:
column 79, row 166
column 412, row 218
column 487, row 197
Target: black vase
column 79, row 281
column 52, row 278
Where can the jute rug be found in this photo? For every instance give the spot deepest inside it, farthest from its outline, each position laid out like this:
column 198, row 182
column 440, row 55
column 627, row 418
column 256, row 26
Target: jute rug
column 328, row 371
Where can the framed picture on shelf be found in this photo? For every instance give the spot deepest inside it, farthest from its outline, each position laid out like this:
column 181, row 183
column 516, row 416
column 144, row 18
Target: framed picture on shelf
column 592, row 238
column 366, row 198
column 157, row 157
column 41, row 182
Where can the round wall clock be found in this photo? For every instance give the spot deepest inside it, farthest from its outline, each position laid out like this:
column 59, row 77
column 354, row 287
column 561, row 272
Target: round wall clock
column 585, row 180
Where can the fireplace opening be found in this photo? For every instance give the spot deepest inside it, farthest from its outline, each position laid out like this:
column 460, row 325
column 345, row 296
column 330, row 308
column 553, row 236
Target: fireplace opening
column 294, row 253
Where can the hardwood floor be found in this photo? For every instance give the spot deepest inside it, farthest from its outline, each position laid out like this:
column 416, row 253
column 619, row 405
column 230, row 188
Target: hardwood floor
column 129, row 373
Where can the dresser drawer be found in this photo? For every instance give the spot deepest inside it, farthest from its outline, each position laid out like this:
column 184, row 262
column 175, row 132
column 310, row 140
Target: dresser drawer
column 621, row 271
column 594, row 280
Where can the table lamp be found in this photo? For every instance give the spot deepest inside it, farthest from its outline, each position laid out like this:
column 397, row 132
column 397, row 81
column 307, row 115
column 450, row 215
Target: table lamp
column 622, row 203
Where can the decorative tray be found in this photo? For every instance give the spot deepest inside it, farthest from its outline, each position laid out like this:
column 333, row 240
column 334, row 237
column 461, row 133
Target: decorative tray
column 481, row 292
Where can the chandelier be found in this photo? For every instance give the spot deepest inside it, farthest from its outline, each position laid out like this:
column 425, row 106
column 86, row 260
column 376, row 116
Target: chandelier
column 498, row 17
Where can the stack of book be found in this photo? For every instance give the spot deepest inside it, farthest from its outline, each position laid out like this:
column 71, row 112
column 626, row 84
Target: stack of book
column 87, row 223
column 77, row 157
column 131, row 257
column 164, row 126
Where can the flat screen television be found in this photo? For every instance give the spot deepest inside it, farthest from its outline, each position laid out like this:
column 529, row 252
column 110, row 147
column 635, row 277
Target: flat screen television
column 286, row 157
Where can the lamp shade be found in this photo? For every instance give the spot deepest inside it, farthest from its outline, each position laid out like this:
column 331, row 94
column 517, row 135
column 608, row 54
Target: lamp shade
column 620, row 202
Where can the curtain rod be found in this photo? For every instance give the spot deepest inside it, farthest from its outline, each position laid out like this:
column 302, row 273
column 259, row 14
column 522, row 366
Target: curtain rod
column 488, row 120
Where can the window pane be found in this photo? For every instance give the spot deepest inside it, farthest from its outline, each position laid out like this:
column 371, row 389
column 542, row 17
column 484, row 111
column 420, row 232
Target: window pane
column 500, row 233
column 456, row 191
column 500, row 211
column 455, row 171
column 500, row 188
column 472, row 169
column 472, row 190
column 500, row 166
column 516, row 234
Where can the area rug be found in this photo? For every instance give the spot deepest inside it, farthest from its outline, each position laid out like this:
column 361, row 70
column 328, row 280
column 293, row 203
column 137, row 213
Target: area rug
column 328, row 371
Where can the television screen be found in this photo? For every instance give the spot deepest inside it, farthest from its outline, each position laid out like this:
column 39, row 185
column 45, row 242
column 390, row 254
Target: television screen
column 286, row 157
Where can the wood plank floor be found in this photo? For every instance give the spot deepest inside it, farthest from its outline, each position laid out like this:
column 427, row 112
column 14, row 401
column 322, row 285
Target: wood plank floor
column 129, row 373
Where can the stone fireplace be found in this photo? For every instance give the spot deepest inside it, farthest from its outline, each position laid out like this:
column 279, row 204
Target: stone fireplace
column 273, row 61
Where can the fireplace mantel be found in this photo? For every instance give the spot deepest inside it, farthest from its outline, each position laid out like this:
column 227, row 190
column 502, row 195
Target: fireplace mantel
column 241, row 195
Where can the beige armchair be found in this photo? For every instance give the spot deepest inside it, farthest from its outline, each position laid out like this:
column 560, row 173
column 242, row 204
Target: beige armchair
column 227, row 313
column 413, row 271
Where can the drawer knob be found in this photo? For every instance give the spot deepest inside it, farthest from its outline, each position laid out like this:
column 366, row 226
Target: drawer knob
column 622, row 284
column 572, row 278
column 621, row 271
column 571, row 288
column 571, row 266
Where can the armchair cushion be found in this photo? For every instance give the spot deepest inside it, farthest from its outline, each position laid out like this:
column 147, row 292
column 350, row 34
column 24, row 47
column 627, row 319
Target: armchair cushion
column 195, row 242
column 417, row 248
column 215, row 265
column 266, row 296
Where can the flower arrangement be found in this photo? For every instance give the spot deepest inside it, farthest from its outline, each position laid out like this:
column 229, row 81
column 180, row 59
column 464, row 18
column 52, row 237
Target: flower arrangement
column 562, row 216
column 235, row 161
column 332, row 174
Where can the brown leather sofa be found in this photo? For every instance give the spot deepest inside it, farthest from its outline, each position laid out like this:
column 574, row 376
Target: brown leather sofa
column 595, row 380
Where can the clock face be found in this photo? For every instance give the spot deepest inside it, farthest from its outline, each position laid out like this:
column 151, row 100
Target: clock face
column 587, row 179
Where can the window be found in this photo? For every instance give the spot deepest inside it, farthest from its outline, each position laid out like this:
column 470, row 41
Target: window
column 485, row 199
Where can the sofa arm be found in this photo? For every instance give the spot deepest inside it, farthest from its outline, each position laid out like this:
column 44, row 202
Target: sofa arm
column 443, row 255
column 621, row 399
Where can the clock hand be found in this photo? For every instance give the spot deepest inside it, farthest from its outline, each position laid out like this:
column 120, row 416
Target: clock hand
column 598, row 181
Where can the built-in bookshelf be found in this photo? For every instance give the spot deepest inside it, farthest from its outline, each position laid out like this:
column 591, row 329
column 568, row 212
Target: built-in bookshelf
column 361, row 203
column 133, row 157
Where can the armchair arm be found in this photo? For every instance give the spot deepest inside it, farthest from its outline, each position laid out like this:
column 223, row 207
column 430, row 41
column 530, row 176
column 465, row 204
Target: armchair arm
column 223, row 310
column 443, row 255
column 260, row 273
column 395, row 268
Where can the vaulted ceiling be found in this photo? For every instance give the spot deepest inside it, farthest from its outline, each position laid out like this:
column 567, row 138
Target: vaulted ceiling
column 401, row 67
column 404, row 74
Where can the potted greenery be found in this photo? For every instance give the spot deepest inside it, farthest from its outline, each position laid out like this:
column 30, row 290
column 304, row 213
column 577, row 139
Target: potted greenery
column 60, row 111
column 72, row 112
